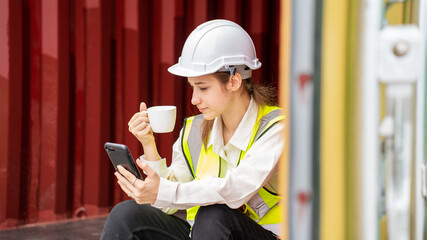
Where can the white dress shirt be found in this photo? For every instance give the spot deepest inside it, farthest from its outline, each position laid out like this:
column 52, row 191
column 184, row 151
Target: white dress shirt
column 258, row 168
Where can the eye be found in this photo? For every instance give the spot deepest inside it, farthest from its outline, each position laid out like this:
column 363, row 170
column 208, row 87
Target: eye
column 203, row 88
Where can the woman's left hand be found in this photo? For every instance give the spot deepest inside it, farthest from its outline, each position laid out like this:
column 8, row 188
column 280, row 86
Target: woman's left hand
column 142, row 191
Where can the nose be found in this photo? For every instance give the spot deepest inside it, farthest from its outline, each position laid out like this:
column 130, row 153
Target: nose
column 195, row 100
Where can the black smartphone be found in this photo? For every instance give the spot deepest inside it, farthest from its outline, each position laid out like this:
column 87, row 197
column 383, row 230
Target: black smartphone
column 120, row 155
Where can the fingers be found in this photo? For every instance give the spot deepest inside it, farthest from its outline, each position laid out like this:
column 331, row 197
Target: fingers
column 142, row 107
column 122, row 181
column 141, row 191
column 125, row 175
column 138, row 123
column 139, row 126
column 141, row 131
column 147, row 169
column 139, row 116
column 140, row 163
column 125, row 179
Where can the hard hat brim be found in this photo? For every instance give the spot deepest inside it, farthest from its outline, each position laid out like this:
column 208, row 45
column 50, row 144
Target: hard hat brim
column 185, row 72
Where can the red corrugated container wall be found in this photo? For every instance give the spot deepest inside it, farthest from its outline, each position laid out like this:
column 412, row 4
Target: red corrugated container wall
column 73, row 72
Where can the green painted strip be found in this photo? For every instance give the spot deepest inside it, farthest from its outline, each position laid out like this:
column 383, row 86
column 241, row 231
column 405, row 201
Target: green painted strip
column 316, row 118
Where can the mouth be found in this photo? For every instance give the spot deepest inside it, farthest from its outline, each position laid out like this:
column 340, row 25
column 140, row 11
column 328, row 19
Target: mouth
column 202, row 109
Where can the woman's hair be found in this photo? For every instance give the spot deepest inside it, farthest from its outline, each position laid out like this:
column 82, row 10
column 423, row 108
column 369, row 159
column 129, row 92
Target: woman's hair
column 262, row 95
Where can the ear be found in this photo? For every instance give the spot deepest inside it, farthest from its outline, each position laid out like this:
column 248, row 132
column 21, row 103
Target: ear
column 235, row 82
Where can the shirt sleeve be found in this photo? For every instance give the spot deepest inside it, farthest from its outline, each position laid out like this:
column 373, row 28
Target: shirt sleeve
column 239, row 184
column 178, row 171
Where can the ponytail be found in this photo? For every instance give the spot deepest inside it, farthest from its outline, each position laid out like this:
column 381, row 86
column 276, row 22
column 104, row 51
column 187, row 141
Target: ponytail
column 262, row 95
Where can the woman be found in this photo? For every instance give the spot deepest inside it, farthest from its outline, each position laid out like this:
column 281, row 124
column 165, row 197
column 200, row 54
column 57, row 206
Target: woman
column 224, row 163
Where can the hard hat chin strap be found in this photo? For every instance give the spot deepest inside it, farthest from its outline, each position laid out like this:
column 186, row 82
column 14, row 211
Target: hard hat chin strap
column 231, row 69
column 243, row 70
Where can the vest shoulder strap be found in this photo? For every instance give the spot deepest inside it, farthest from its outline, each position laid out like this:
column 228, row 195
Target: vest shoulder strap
column 192, row 141
column 268, row 121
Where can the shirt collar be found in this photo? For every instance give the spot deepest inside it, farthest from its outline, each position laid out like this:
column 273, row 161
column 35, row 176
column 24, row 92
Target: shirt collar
column 241, row 136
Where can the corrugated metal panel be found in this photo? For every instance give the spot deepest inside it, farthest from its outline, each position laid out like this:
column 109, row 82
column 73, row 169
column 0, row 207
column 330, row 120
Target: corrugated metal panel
column 11, row 110
column 73, row 72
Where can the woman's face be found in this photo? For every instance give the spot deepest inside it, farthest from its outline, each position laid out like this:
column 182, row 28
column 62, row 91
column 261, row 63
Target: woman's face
column 211, row 97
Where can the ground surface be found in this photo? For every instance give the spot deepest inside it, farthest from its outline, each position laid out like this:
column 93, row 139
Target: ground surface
column 87, row 229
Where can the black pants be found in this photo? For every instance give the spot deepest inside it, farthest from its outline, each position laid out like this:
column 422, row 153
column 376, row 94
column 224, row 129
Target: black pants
column 128, row 220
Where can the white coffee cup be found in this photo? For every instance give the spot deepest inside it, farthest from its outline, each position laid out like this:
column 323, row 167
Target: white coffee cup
column 162, row 118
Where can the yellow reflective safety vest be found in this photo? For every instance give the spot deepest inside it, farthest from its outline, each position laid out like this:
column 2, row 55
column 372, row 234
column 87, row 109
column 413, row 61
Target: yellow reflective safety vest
column 262, row 207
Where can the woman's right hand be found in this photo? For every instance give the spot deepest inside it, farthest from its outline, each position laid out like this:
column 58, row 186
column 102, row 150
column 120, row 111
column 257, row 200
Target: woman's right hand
column 139, row 126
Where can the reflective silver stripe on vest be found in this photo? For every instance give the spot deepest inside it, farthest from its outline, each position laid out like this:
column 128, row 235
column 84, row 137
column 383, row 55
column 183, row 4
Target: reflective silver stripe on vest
column 259, row 206
column 265, row 121
column 194, row 140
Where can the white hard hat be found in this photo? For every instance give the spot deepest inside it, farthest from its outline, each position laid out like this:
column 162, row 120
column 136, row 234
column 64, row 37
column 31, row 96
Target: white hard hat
column 216, row 45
